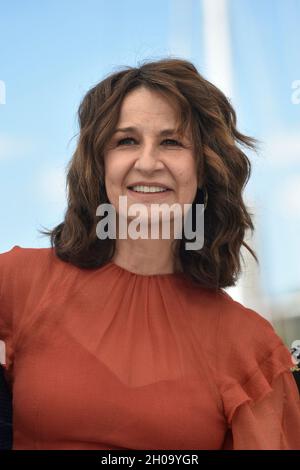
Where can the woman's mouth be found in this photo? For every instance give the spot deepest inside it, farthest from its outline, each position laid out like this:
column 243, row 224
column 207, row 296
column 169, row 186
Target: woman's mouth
column 148, row 192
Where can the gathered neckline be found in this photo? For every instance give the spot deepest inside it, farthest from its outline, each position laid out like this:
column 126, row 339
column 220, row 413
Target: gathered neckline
column 163, row 275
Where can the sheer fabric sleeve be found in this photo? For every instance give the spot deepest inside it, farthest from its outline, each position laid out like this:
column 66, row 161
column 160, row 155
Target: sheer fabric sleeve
column 260, row 396
column 264, row 413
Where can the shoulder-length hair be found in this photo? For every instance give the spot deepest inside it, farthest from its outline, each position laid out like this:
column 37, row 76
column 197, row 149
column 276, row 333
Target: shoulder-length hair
column 222, row 166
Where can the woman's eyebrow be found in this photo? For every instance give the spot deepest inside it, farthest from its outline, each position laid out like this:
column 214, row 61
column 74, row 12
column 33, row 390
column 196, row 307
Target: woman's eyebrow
column 135, row 129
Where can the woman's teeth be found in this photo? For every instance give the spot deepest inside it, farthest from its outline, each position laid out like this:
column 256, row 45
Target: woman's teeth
column 148, row 189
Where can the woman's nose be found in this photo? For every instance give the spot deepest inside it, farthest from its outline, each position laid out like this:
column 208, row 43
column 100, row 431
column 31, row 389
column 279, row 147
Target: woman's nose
column 148, row 160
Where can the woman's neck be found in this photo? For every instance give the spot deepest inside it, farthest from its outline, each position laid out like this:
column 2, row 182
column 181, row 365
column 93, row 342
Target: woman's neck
column 145, row 256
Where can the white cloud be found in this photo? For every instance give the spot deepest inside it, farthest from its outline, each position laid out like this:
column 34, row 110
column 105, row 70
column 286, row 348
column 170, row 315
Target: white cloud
column 290, row 197
column 51, row 185
column 14, row 146
column 282, row 148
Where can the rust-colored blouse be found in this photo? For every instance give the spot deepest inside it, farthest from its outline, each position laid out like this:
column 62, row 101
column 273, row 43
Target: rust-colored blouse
column 110, row 359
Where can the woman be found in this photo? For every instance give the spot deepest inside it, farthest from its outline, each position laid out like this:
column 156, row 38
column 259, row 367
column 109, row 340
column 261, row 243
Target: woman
column 132, row 343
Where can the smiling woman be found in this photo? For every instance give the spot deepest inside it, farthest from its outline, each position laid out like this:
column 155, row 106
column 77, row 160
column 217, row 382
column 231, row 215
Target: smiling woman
column 147, row 171
column 126, row 343
column 126, row 123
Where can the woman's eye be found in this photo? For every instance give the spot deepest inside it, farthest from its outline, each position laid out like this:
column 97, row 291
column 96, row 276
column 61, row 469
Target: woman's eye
column 122, row 140
column 130, row 138
column 171, row 140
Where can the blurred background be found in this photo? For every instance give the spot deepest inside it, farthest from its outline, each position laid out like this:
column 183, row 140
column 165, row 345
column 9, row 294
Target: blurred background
column 52, row 52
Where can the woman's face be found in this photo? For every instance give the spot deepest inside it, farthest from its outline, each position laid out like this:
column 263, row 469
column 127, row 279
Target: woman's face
column 144, row 157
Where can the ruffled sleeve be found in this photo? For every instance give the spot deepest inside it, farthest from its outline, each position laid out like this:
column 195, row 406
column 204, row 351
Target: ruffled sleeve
column 260, row 396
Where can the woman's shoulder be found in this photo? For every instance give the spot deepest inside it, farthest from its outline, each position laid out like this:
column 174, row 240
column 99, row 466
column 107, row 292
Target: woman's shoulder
column 230, row 319
column 234, row 333
column 250, row 350
column 18, row 254
column 245, row 326
column 21, row 267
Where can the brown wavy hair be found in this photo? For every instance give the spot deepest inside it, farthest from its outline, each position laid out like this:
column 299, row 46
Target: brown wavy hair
column 223, row 169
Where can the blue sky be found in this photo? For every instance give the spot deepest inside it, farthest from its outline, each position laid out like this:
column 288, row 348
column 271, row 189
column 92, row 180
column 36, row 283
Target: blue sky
column 52, row 52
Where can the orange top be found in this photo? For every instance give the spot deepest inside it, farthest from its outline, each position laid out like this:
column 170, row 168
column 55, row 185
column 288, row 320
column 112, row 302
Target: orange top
column 109, row 359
